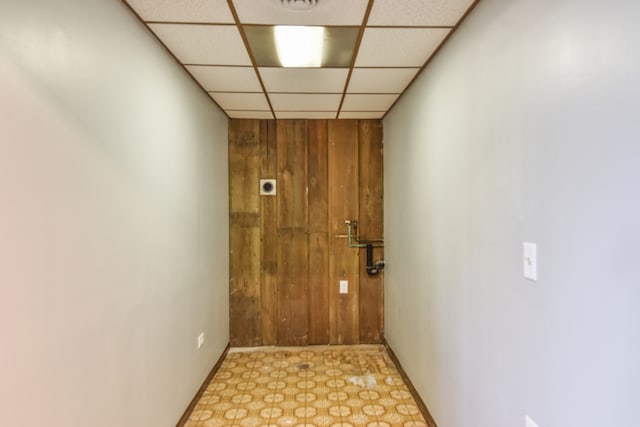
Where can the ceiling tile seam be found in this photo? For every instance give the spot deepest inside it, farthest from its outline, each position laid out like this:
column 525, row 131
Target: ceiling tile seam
column 433, row 55
column 304, row 68
column 217, row 65
column 233, row 91
column 373, row 93
column 245, row 41
column 363, row 26
column 219, row 24
column 386, row 67
column 166, row 48
column 409, row 27
column 361, row 111
column 307, row 25
column 305, row 93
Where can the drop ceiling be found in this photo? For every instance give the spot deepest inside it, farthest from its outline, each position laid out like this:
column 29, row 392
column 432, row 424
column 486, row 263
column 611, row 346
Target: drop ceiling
column 394, row 40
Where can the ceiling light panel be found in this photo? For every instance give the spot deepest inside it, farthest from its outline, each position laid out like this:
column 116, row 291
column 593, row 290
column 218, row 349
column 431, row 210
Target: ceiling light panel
column 380, row 80
column 327, row 12
column 304, row 102
column 398, row 47
column 361, row 114
column 306, row 114
column 226, row 79
column 203, row 44
column 234, row 114
column 204, row 11
column 299, row 46
column 339, row 43
column 358, row 102
column 418, row 12
column 241, row 101
column 305, row 80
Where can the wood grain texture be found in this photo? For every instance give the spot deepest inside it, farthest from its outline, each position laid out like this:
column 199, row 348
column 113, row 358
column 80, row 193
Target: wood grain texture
column 269, row 234
column 371, row 227
column 344, row 312
column 318, row 226
column 292, row 174
column 285, row 259
column 292, row 273
column 293, row 290
column 244, row 235
column 244, row 161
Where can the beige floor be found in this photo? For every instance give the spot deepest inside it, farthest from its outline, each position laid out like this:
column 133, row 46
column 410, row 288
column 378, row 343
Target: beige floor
column 307, row 386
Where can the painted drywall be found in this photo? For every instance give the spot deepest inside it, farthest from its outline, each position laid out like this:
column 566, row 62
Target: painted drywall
column 113, row 221
column 524, row 128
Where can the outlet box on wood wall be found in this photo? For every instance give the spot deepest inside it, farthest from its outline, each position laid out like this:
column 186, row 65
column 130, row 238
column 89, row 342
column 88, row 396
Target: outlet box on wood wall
column 268, row 187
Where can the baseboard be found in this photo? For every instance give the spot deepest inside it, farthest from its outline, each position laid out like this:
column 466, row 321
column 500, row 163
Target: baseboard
column 423, row 408
column 203, row 387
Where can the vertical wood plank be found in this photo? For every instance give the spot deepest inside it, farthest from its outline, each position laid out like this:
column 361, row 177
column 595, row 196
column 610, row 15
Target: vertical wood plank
column 318, row 227
column 343, row 205
column 371, row 227
column 293, row 292
column 244, row 238
column 269, row 234
column 293, row 299
column 292, row 174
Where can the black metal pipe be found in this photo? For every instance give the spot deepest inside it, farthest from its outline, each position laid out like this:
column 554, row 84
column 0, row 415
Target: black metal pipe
column 371, row 269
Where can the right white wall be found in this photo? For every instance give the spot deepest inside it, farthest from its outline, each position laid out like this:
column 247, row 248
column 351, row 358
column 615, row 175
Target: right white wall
column 524, row 128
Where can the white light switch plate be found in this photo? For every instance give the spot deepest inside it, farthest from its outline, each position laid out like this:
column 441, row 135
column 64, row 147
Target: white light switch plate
column 344, row 286
column 528, row 422
column 200, row 339
column 530, row 261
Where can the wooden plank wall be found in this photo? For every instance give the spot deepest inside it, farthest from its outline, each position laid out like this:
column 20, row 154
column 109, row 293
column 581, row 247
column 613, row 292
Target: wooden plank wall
column 286, row 259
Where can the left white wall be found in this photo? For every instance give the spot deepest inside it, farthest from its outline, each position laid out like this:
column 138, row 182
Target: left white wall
column 113, row 221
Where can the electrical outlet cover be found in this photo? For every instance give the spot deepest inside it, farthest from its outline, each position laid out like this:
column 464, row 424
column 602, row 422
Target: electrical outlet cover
column 268, row 187
column 344, row 286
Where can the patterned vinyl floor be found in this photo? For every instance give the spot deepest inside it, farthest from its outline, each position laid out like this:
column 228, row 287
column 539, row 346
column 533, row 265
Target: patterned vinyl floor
column 307, row 386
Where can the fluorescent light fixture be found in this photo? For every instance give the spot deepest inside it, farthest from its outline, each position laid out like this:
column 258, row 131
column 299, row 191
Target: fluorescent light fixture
column 299, row 46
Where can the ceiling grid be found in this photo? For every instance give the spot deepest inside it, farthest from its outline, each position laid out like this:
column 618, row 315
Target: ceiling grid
column 225, row 46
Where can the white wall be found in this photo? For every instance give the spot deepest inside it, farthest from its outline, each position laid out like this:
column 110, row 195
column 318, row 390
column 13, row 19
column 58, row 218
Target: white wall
column 524, row 128
column 113, row 221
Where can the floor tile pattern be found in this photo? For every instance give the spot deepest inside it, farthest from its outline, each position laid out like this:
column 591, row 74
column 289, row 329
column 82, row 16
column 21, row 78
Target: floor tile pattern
column 337, row 386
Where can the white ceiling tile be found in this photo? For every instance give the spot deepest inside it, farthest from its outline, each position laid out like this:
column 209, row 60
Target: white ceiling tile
column 368, row 102
column 304, row 102
column 306, row 114
column 380, row 80
column 210, row 11
column 235, row 114
column 226, row 79
column 308, row 80
column 361, row 114
column 203, row 44
column 327, row 12
column 398, row 47
column 418, row 12
column 241, row 101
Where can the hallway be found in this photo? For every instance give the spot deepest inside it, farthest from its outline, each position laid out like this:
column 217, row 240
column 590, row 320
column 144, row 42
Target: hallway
column 135, row 247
